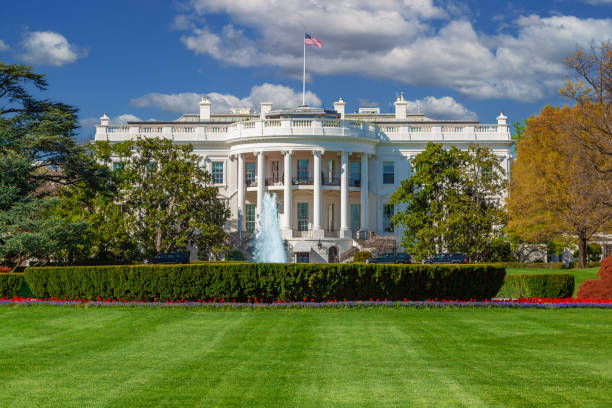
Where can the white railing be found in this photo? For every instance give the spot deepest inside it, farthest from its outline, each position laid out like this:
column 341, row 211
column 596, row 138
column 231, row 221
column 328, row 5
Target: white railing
column 485, row 128
column 272, row 123
column 117, row 129
column 182, row 129
column 313, row 127
column 301, row 123
column 150, row 129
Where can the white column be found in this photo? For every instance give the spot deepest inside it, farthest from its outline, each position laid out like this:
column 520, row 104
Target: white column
column 364, row 193
column 317, row 230
column 260, row 181
column 345, row 230
column 286, row 231
column 240, row 192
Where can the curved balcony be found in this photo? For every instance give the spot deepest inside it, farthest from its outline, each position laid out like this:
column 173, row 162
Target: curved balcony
column 301, row 127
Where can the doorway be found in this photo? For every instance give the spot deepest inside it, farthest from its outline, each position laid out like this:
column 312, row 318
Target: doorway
column 332, row 256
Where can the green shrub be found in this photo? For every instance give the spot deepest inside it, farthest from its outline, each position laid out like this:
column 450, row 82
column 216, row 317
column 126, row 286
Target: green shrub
column 235, row 255
column 12, row 285
column 530, row 265
column 537, row 285
column 270, row 282
column 361, row 256
column 593, row 264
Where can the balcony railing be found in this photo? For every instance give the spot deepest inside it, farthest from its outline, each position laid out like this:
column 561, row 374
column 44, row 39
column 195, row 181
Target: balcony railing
column 275, row 181
column 334, row 181
column 302, row 181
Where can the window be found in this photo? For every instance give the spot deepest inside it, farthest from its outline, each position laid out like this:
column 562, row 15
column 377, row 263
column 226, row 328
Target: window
column 388, row 172
column 355, row 217
column 302, row 216
column 330, row 217
column 355, row 174
column 302, row 257
column 330, row 172
column 250, row 173
column 302, row 171
column 275, row 172
column 250, row 218
column 117, row 166
column 387, row 214
column 217, row 172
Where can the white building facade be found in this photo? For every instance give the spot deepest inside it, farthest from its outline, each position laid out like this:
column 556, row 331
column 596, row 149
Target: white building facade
column 332, row 172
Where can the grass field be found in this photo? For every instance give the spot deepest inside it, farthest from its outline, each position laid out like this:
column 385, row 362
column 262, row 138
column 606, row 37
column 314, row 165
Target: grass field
column 580, row 275
column 97, row 357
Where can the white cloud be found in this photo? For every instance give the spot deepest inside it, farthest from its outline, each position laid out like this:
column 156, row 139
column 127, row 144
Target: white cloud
column 49, row 48
column 598, row 2
column 393, row 39
column 444, row 108
column 124, row 119
column 3, row 46
column 187, row 102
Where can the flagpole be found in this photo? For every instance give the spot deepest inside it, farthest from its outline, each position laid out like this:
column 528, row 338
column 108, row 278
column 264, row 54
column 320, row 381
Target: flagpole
column 304, row 78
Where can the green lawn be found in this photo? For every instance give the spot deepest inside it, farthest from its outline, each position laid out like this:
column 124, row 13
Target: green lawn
column 580, row 275
column 76, row 357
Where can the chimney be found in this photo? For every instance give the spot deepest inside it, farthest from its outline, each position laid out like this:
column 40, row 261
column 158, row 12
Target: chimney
column 265, row 107
column 400, row 107
column 104, row 120
column 502, row 126
column 205, row 109
column 339, row 107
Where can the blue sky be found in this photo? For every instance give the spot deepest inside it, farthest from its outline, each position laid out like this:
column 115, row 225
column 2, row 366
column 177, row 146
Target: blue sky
column 154, row 59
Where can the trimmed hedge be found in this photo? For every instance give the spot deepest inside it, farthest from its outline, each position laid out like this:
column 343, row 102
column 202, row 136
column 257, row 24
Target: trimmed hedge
column 267, row 282
column 537, row 286
column 12, row 285
column 534, row 265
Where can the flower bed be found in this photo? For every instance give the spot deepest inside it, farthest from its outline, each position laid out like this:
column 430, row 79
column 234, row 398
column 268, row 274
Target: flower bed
column 539, row 303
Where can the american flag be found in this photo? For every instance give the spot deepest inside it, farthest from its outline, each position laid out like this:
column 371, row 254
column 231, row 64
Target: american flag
column 312, row 41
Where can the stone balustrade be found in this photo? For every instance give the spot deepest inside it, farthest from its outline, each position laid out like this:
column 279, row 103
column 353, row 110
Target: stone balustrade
column 308, row 127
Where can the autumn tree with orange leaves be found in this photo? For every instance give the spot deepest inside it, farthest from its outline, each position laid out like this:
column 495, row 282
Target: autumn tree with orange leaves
column 554, row 192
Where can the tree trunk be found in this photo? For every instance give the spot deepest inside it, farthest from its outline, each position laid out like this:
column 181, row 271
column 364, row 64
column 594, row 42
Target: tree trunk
column 582, row 252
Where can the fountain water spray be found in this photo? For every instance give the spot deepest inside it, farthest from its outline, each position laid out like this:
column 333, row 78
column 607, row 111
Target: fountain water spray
column 268, row 242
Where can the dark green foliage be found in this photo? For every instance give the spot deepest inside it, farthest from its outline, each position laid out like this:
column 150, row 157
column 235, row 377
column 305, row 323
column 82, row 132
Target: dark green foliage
column 537, row 286
column 270, row 282
column 361, row 256
column 235, row 255
column 12, row 285
column 452, row 202
column 38, row 153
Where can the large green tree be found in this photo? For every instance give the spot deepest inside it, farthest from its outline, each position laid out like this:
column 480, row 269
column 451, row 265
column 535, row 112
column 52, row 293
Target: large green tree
column 38, row 153
column 159, row 198
column 452, row 202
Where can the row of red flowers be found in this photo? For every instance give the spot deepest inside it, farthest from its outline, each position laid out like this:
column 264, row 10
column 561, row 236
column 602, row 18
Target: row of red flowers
column 306, row 300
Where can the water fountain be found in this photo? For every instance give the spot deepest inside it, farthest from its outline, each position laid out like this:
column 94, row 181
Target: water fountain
column 268, row 242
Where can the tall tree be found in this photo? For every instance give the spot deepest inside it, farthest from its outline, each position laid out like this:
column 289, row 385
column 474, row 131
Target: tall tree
column 554, row 194
column 38, row 152
column 590, row 87
column 168, row 200
column 453, row 202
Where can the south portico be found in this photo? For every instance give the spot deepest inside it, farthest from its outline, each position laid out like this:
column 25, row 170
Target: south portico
column 310, row 180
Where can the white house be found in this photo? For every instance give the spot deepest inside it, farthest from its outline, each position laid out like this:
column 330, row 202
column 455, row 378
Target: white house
column 332, row 172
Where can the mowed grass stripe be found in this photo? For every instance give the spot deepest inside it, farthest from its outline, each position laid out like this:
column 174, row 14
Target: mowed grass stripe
column 381, row 357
